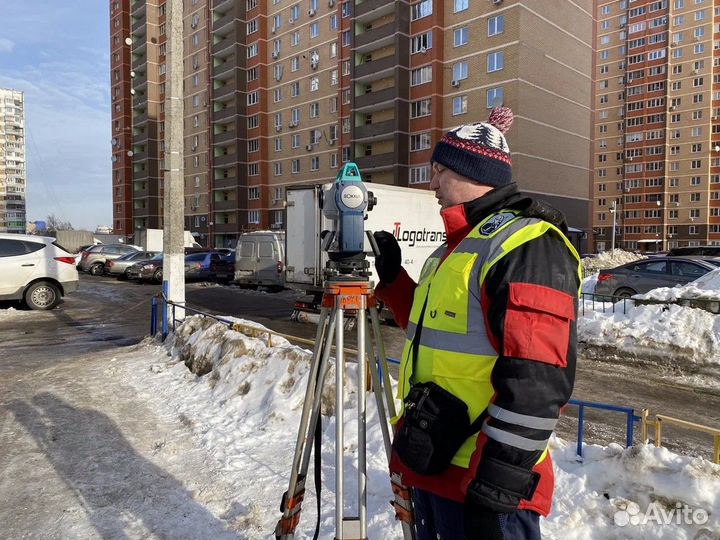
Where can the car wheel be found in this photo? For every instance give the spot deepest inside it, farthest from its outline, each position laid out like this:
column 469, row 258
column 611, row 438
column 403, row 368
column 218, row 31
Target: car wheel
column 124, row 275
column 42, row 295
column 97, row 269
column 157, row 276
column 625, row 292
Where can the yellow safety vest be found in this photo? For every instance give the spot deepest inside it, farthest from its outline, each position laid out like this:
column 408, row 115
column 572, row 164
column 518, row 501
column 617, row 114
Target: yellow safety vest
column 454, row 350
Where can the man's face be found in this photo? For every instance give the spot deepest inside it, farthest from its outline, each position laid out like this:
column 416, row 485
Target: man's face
column 452, row 188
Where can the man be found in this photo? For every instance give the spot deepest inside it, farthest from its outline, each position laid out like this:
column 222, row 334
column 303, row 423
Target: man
column 489, row 357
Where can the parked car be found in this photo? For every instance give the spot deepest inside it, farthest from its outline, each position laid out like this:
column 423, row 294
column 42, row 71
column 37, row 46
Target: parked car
column 118, row 267
column 706, row 251
column 94, row 258
column 150, row 270
column 209, row 266
column 35, row 269
column 647, row 274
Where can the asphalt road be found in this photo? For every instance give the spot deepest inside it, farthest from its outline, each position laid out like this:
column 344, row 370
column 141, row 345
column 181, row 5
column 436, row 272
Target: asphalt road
column 106, row 313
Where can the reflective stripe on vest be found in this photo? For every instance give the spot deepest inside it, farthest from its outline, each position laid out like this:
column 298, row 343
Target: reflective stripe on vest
column 454, row 350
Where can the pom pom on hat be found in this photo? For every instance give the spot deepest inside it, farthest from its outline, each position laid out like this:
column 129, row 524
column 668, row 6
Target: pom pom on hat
column 479, row 151
column 502, row 118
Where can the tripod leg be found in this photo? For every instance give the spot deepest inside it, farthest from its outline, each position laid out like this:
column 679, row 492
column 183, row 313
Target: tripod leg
column 292, row 498
column 377, row 390
column 402, row 502
column 362, row 421
column 339, row 421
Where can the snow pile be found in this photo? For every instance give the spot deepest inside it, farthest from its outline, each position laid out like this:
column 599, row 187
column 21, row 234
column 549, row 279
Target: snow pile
column 246, row 412
column 588, row 284
column 608, row 259
column 706, row 287
column 668, row 330
column 12, row 313
column 638, row 493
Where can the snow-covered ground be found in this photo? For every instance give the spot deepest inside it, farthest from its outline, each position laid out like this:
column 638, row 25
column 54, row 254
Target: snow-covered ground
column 680, row 332
column 608, row 259
column 245, row 412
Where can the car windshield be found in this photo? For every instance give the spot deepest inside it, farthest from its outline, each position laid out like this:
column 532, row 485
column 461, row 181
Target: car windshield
column 158, row 257
column 195, row 257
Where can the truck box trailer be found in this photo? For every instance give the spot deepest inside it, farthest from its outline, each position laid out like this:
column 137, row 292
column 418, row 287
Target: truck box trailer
column 411, row 215
column 152, row 239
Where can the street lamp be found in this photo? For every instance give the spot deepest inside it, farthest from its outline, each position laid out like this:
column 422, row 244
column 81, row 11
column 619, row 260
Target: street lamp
column 613, row 210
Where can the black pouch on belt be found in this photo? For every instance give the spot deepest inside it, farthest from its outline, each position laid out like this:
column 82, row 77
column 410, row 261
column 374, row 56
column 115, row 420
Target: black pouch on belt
column 435, row 425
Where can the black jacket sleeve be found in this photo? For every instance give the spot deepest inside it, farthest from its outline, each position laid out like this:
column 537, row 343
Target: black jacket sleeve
column 530, row 300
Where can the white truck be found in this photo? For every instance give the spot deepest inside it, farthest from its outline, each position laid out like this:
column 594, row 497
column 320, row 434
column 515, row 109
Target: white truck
column 412, row 215
column 152, row 239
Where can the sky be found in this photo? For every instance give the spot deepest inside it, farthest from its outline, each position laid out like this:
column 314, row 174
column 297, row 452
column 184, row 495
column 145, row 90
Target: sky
column 57, row 53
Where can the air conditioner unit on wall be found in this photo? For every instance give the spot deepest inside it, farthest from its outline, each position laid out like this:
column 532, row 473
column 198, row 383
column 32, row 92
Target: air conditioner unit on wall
column 311, row 12
column 309, row 147
column 455, row 83
column 275, row 54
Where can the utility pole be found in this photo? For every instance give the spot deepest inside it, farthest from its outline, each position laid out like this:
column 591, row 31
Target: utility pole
column 174, row 208
column 613, row 211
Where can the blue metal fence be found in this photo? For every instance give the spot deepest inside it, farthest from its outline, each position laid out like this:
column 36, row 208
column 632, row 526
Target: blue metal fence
column 630, row 424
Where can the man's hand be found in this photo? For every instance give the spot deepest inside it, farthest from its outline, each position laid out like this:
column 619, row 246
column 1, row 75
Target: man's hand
column 387, row 263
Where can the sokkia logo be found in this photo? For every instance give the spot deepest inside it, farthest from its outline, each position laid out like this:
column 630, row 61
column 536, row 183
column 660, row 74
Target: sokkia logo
column 658, row 514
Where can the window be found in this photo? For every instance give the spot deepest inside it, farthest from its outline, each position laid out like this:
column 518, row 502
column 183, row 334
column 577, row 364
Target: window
column 252, row 122
column 295, row 89
column 252, row 26
column 254, row 216
column 252, row 50
column 461, row 5
column 278, row 144
column 421, row 43
column 496, row 25
column 495, row 61
column 420, row 10
column 420, row 141
column 419, row 175
column 252, row 98
column 314, row 84
column 295, row 12
column 315, row 163
column 495, row 98
column 314, row 30
column 295, row 140
column 459, row 105
column 460, row 71
column 277, row 95
column 253, row 193
column 314, row 110
column 420, row 108
column 334, row 22
column 421, row 75
column 460, row 36
column 295, row 166
column 253, row 145
column 347, row 9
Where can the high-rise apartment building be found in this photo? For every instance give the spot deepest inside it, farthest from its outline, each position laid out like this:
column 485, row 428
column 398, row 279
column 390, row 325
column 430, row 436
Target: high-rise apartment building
column 12, row 161
column 657, row 134
column 281, row 93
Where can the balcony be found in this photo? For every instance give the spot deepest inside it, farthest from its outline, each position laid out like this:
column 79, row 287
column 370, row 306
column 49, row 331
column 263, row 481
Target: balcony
column 225, row 160
column 380, row 130
column 225, row 205
column 140, row 192
column 224, row 91
column 225, row 18
column 227, row 43
column 224, row 69
column 375, row 70
column 140, row 117
column 224, row 183
column 138, row 27
column 224, row 136
column 369, row 10
column 224, row 114
column 225, row 228
column 377, row 161
column 375, row 39
column 375, row 100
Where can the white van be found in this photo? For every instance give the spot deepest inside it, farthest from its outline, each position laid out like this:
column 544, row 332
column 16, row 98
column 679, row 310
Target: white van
column 259, row 259
column 35, row 269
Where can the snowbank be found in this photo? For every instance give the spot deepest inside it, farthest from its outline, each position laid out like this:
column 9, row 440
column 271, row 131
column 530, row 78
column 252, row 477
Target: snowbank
column 608, row 259
column 246, row 410
column 706, row 287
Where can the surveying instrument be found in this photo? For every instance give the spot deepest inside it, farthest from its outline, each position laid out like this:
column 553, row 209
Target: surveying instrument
column 347, row 291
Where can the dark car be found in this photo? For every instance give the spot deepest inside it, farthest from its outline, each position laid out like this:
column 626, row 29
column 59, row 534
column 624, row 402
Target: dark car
column 119, row 267
column 209, row 266
column 150, row 270
column 705, row 251
column 648, row 274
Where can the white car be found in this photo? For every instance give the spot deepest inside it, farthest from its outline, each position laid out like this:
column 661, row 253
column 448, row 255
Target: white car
column 35, row 269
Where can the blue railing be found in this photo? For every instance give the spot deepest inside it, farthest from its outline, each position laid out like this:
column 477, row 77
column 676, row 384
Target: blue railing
column 630, row 425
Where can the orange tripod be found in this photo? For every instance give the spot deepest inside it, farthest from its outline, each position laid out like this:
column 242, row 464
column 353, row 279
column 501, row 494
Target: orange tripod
column 351, row 296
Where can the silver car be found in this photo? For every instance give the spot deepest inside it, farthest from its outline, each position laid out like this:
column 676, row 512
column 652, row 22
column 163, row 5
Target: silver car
column 648, row 274
column 118, row 267
column 94, row 258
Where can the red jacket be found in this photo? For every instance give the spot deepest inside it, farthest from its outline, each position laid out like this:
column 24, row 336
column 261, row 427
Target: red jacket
column 529, row 383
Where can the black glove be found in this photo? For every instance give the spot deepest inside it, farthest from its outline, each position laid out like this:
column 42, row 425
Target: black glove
column 481, row 523
column 387, row 262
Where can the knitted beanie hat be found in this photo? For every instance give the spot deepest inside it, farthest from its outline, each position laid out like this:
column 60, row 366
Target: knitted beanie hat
column 479, row 151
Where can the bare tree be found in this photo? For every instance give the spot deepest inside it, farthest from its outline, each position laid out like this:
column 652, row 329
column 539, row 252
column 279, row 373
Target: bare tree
column 54, row 223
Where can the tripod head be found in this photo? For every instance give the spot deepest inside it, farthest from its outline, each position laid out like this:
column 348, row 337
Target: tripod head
column 346, row 205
